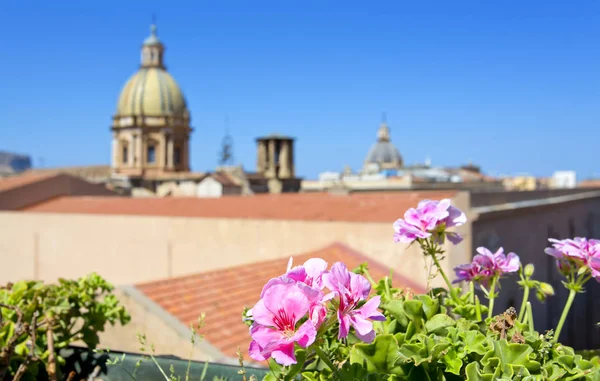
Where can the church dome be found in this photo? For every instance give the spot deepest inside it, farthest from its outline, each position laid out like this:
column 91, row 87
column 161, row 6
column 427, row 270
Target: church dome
column 152, row 91
column 383, row 152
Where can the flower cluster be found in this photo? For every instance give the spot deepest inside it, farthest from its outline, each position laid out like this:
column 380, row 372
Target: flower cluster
column 430, row 218
column 293, row 307
column 487, row 265
column 574, row 254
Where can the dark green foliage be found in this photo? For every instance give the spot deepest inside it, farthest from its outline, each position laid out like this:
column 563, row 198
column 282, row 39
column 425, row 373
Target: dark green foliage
column 52, row 316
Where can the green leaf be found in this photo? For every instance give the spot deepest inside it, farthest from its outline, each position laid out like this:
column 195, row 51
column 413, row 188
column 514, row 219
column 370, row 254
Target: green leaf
column 396, row 309
column 452, row 362
column 430, row 306
column 475, row 342
column 414, row 353
column 439, row 323
column 296, row 368
column 473, row 373
column 379, row 356
column 510, row 358
column 414, row 310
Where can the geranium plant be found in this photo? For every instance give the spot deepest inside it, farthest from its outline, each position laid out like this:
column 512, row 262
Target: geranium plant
column 321, row 322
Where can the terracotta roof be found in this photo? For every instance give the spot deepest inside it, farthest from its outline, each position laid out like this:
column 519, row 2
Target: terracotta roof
column 12, row 182
column 359, row 207
column 590, row 183
column 223, row 294
column 83, row 171
column 224, row 179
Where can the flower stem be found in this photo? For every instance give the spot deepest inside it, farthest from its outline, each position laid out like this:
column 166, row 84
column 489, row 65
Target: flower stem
column 524, row 303
column 529, row 315
column 492, row 296
column 326, row 360
column 472, row 289
column 565, row 312
column 450, row 288
column 478, row 308
column 368, row 276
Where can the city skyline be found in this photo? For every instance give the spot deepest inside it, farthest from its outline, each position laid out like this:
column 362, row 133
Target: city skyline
column 506, row 88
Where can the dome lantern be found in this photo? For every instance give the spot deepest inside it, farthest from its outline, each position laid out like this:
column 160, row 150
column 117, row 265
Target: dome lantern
column 153, row 50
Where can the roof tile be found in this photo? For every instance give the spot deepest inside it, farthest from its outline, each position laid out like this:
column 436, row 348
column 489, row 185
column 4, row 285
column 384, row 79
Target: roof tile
column 364, row 207
column 12, row 182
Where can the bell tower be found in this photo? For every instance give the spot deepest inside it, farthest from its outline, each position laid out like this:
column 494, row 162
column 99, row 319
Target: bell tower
column 275, row 161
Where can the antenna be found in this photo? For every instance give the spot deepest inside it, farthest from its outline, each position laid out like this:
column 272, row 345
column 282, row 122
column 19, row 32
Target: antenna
column 226, row 154
column 383, row 117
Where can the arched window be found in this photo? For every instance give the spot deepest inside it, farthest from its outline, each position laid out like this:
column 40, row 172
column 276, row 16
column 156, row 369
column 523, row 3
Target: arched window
column 151, row 153
column 177, row 155
column 124, row 152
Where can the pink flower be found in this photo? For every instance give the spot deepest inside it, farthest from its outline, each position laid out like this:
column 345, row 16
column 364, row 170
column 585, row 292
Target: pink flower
column 274, row 330
column 572, row 254
column 471, row 272
column 486, row 264
column 501, row 263
column 310, row 273
column 351, row 289
column 430, row 217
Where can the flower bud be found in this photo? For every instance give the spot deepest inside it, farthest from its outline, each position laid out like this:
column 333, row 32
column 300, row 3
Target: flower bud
column 540, row 296
column 529, row 270
column 546, row 288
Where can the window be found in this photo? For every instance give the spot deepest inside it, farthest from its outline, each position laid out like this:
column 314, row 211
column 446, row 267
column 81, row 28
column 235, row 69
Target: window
column 125, row 154
column 177, row 155
column 151, row 154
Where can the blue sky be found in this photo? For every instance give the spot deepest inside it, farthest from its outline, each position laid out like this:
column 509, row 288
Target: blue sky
column 513, row 86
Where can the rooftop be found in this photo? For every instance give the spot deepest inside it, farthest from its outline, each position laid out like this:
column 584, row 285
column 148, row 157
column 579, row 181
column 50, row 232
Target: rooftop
column 370, row 207
column 17, row 181
column 223, row 294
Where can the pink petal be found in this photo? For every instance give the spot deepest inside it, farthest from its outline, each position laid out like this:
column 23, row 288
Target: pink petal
column 261, row 314
column 318, row 314
column 512, row 263
column 255, row 352
column 361, row 325
column 413, row 217
column 315, row 267
column 297, row 273
column 359, row 286
column 305, row 335
column 265, row 337
column 344, row 325
column 274, row 281
column 455, row 217
column 485, row 251
column 289, row 298
column 455, row 238
column 368, row 338
column 284, row 354
column 370, row 307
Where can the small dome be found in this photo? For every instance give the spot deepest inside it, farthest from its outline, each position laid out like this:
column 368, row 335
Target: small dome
column 152, row 92
column 383, row 152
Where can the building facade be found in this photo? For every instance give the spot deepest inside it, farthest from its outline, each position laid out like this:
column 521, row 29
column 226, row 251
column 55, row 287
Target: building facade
column 151, row 127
